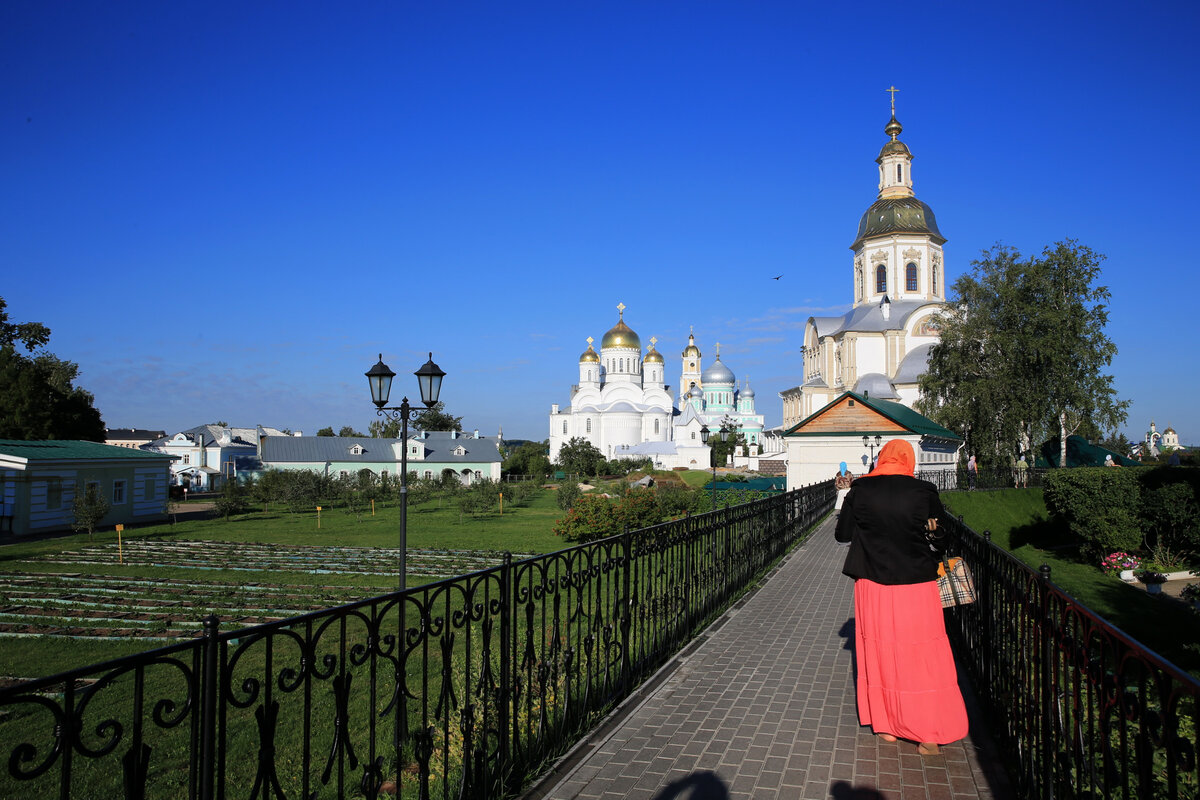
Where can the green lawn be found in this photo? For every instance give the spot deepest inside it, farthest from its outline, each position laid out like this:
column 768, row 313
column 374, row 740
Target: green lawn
column 1018, row 522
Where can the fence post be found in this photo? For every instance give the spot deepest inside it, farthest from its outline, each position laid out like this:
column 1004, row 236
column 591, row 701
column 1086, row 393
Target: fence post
column 508, row 611
column 1047, row 704
column 208, row 708
column 626, row 620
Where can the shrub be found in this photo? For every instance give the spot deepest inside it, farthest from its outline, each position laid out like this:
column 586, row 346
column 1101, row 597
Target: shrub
column 592, row 517
column 232, row 501
column 675, row 500
column 639, row 508
column 568, row 493
column 1098, row 505
column 88, row 509
column 1170, row 517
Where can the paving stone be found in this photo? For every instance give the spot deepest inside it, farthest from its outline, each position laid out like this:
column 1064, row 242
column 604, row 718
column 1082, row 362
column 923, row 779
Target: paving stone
column 765, row 708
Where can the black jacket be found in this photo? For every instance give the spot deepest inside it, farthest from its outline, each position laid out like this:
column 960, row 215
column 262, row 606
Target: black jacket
column 884, row 519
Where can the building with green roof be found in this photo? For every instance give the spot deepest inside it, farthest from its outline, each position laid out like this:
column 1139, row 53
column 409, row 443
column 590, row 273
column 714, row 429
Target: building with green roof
column 39, row 482
column 853, row 427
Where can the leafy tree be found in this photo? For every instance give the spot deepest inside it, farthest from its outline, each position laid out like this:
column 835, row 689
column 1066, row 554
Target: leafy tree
column 31, row 335
column 220, row 424
column 724, row 441
column 592, row 517
column 639, row 508
column 580, row 457
column 568, row 492
column 1022, row 353
column 232, row 500
column 528, row 459
column 346, row 430
column 88, row 509
column 384, row 429
column 326, row 431
column 436, row 419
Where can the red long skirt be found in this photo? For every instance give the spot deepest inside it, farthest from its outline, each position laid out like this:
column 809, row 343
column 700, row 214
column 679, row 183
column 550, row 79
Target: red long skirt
column 907, row 683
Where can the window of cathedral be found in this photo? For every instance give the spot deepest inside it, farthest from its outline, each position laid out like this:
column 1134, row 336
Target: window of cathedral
column 589, row 425
column 899, row 172
column 881, row 279
column 564, row 428
column 934, row 274
column 910, row 277
column 656, row 426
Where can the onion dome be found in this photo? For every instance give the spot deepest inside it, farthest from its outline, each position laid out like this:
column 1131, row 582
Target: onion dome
column 747, row 392
column 620, row 335
column 718, row 373
column 895, row 145
column 695, row 393
column 652, row 355
column 691, row 351
column 590, row 355
column 897, row 215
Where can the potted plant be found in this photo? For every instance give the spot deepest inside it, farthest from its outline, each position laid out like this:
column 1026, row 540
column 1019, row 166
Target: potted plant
column 1121, row 564
column 1152, row 577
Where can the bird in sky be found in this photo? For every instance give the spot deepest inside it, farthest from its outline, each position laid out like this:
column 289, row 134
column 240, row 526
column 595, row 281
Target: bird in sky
column 777, row 277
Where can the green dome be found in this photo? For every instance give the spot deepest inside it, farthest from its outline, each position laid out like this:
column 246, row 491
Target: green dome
column 897, row 215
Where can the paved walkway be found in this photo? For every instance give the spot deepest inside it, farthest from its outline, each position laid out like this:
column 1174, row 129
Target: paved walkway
column 762, row 706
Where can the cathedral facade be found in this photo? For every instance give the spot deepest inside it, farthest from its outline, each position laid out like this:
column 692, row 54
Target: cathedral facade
column 623, row 406
column 880, row 347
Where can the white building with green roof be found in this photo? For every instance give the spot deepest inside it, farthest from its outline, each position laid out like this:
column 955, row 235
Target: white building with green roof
column 39, row 482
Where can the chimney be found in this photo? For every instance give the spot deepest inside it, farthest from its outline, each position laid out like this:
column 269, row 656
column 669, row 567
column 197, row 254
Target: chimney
column 554, row 408
column 885, row 306
column 477, row 433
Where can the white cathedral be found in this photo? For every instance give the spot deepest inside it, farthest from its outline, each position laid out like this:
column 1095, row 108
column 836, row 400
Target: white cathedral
column 880, row 347
column 623, row 406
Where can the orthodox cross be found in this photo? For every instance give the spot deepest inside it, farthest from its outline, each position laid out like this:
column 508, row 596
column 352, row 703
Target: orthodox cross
column 590, row 340
column 653, row 341
column 892, row 91
column 621, row 309
column 718, row 349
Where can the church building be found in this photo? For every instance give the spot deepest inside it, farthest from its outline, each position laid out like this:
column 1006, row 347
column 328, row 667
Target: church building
column 623, row 406
column 881, row 345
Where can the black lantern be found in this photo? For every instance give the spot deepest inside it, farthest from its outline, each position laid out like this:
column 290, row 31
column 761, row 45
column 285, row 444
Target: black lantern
column 429, row 378
column 380, row 378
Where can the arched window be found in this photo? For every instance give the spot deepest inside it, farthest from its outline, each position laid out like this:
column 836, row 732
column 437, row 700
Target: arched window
column 910, row 277
column 934, row 274
column 899, row 173
column 564, row 427
column 656, row 426
column 881, row 279
column 589, row 425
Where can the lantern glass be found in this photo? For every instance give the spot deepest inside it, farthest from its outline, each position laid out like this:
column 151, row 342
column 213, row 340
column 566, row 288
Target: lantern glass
column 704, row 433
column 429, row 378
column 380, row 380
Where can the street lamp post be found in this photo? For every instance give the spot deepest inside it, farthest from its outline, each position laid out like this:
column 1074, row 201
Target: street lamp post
column 712, row 487
column 429, row 379
column 871, row 444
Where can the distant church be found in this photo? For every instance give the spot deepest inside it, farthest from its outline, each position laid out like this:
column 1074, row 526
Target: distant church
column 880, row 346
column 623, row 406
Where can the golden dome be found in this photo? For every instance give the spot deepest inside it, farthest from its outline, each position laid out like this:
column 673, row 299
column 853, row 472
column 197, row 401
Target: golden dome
column 652, row 356
column 621, row 335
column 590, row 354
column 691, row 351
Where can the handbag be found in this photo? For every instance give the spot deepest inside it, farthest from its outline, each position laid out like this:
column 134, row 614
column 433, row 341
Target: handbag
column 955, row 582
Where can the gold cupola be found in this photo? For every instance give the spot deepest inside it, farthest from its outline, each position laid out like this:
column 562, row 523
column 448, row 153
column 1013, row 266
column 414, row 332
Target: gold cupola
column 590, row 355
column 652, row 355
column 621, row 335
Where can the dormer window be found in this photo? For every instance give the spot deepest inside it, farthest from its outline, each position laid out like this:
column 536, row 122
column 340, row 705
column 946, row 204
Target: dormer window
column 460, row 451
column 356, row 450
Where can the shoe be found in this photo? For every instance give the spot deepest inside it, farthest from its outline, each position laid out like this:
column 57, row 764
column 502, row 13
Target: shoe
column 887, row 737
column 928, row 748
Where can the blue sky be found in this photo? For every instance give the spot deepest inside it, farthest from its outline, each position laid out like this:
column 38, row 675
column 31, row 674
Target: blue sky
column 227, row 210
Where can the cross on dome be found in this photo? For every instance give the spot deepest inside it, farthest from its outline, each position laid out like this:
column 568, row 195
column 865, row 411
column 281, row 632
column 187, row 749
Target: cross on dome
column 621, row 310
column 590, row 340
column 653, row 341
column 892, row 91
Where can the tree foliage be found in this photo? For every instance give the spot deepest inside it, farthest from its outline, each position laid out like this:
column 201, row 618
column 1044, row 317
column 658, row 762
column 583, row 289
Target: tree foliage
column 436, row 419
column 326, row 431
column 1022, row 353
column 38, row 398
column 528, row 459
column 580, row 457
column 88, row 508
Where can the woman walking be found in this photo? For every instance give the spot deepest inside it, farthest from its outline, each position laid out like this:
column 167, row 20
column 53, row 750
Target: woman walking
column 907, row 683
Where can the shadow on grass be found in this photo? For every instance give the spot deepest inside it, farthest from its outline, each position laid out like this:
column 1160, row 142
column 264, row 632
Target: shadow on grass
column 1044, row 534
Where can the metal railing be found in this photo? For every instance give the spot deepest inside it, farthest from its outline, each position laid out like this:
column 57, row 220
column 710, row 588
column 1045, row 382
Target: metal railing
column 953, row 478
column 1078, row 708
column 463, row 688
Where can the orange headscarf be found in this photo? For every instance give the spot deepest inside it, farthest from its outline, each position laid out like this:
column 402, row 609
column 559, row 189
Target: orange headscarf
column 896, row 458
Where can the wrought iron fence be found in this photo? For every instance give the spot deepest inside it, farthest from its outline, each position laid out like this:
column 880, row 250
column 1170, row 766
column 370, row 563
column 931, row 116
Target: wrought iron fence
column 993, row 478
column 462, row 688
column 1077, row 707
